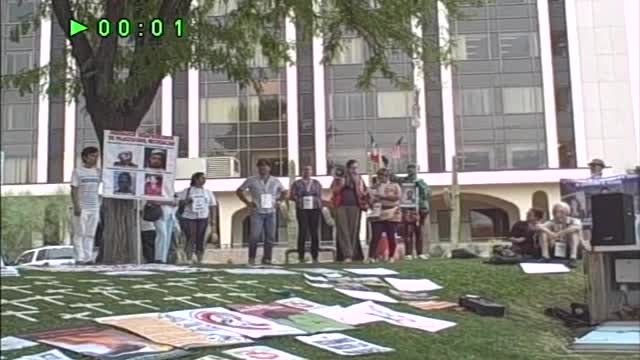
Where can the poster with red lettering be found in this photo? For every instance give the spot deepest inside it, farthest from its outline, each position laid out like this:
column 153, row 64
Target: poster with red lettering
column 138, row 166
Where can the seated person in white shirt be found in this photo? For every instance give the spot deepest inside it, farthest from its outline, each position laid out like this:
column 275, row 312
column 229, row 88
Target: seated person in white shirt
column 561, row 229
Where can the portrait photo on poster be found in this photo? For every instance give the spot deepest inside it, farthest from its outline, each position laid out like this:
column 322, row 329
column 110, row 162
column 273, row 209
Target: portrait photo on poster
column 409, row 197
column 155, row 158
column 153, row 184
column 125, row 160
column 124, row 182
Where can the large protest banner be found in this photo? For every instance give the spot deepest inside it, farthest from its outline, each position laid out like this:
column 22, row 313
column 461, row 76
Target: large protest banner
column 578, row 192
column 139, row 166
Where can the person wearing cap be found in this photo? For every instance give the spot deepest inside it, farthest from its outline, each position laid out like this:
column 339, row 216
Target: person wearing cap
column 412, row 222
column 125, row 159
column 157, row 159
column 596, row 166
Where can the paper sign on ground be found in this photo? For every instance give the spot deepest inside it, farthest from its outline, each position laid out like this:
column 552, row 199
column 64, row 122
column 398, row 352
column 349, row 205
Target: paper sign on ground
column 296, row 318
column 340, row 314
column 260, row 272
column 49, row 355
column 433, row 305
column 130, row 273
column 168, row 330
column 413, row 285
column 400, row 318
column 104, row 343
column 372, row 271
column 367, row 295
column 319, row 271
column 10, row 343
column 211, row 357
column 247, row 325
column 319, row 285
column 261, row 353
column 315, row 278
column 343, row 345
column 415, row 296
column 365, row 281
column 299, row 303
column 543, row 268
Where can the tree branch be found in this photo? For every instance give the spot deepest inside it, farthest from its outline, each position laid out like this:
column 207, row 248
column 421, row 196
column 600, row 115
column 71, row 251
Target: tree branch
column 80, row 46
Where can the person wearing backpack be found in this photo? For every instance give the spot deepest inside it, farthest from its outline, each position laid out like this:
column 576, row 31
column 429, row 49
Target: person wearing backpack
column 197, row 211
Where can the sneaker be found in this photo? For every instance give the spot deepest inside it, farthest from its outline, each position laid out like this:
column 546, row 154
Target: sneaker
column 347, row 260
column 371, row 261
column 315, row 261
column 391, row 260
column 424, row 257
column 252, row 262
column 572, row 264
column 266, row 262
column 408, row 257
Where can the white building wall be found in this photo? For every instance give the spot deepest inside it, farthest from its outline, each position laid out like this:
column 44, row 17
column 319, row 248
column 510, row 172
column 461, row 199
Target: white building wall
column 609, row 60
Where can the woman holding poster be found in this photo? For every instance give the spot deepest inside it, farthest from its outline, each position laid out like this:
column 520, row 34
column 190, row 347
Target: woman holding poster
column 388, row 195
column 197, row 211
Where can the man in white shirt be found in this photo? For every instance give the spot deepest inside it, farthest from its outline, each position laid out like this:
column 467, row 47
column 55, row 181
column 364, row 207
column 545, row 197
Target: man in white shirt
column 85, row 182
column 560, row 233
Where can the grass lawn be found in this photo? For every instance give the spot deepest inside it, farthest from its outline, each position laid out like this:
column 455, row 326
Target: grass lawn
column 525, row 333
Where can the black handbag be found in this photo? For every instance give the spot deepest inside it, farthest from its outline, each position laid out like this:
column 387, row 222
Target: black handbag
column 151, row 212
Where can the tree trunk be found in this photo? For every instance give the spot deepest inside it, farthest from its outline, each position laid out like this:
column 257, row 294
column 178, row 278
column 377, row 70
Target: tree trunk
column 119, row 235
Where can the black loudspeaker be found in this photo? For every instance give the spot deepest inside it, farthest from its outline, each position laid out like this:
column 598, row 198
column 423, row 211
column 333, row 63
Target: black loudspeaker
column 613, row 219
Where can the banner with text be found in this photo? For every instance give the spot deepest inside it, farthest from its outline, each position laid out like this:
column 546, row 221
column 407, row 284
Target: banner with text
column 139, row 166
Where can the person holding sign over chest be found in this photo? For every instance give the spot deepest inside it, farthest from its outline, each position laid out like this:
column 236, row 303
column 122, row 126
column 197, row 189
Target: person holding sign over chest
column 197, row 210
column 307, row 194
column 267, row 193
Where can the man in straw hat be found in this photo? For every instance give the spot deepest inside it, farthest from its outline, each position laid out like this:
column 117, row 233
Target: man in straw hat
column 596, row 166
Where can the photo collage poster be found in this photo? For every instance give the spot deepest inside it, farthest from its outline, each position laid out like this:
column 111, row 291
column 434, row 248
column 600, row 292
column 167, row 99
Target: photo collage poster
column 139, row 166
column 577, row 194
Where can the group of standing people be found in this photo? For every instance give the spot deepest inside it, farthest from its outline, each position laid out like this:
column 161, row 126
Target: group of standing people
column 194, row 211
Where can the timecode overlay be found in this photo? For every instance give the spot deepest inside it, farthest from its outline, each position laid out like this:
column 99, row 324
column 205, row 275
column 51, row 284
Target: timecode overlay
column 125, row 28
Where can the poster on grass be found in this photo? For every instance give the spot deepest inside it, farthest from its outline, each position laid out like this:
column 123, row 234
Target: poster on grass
column 243, row 324
column 261, row 353
column 105, row 343
column 343, row 345
column 165, row 329
column 139, row 166
column 296, row 318
column 48, row 355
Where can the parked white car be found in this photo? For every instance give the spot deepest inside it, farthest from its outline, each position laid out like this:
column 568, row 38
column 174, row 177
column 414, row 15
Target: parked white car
column 47, row 256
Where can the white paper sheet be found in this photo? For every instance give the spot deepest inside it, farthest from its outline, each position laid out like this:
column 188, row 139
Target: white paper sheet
column 399, row 318
column 10, row 343
column 211, row 357
column 49, row 355
column 544, row 268
column 315, row 278
column 130, row 273
column 413, row 285
column 319, row 285
column 367, row 295
column 340, row 314
column 342, row 344
column 260, row 272
column 372, row 271
column 261, row 353
column 299, row 303
column 320, row 271
column 266, row 201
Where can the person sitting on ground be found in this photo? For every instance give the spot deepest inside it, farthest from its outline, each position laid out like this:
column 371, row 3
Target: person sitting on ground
column 562, row 228
column 524, row 237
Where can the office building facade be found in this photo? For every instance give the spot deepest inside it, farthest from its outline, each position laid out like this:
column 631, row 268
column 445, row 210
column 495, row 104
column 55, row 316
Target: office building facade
column 536, row 89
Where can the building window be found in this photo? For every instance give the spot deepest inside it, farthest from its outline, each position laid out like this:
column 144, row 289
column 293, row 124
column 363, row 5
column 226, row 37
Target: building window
column 16, row 62
column 522, row 100
column 518, row 45
column 265, row 108
column 477, row 160
column 394, row 104
column 351, row 51
column 524, row 156
column 219, row 110
column 471, row 47
column 18, row 117
column 347, row 106
column 475, row 102
column 487, row 224
column 19, row 11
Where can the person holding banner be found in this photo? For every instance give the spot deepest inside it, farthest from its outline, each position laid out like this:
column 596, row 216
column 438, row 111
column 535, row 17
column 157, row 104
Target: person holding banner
column 267, row 193
column 307, row 194
column 387, row 194
column 413, row 223
column 561, row 232
column 85, row 181
column 197, row 211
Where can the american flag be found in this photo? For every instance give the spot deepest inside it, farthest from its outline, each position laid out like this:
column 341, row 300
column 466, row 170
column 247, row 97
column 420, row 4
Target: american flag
column 396, row 151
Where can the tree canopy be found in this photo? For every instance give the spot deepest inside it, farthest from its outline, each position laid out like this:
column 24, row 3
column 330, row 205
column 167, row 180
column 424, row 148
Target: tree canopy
column 119, row 76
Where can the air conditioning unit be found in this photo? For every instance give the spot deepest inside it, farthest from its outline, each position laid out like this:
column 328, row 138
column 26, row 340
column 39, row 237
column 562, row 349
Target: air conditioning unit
column 222, row 166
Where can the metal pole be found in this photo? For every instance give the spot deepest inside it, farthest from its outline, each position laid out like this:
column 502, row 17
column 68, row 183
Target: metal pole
column 455, row 205
column 138, row 234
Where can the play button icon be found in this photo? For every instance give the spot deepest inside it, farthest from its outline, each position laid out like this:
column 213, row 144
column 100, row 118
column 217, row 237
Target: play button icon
column 76, row 27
